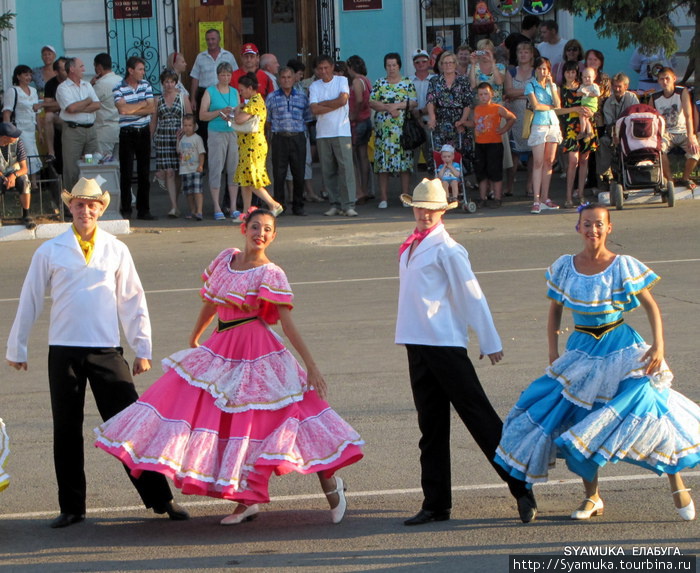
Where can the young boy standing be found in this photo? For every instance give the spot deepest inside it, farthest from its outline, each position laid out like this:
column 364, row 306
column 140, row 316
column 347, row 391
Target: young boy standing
column 439, row 298
column 190, row 148
column 488, row 130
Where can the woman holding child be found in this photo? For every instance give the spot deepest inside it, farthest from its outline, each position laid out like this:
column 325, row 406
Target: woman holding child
column 577, row 149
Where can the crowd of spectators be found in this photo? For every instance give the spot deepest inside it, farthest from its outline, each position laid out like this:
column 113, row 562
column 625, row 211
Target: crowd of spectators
column 556, row 105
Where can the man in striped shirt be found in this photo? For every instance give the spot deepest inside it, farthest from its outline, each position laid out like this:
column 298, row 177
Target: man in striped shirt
column 134, row 101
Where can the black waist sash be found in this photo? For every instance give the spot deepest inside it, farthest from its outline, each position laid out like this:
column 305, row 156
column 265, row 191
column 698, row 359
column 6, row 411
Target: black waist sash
column 229, row 324
column 598, row 331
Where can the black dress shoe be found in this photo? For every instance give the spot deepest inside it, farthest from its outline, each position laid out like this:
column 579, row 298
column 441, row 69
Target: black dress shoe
column 527, row 507
column 146, row 217
column 426, row 516
column 66, row 519
column 174, row 511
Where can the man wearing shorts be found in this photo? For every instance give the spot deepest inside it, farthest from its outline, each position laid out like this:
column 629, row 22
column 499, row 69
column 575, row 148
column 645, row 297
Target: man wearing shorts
column 673, row 102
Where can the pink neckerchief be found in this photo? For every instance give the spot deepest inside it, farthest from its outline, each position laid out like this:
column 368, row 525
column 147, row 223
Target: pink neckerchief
column 417, row 236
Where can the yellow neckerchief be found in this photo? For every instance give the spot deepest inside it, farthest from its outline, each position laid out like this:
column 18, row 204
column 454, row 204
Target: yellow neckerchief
column 86, row 246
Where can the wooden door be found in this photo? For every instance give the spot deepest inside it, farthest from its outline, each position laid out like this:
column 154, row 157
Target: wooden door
column 307, row 38
column 192, row 13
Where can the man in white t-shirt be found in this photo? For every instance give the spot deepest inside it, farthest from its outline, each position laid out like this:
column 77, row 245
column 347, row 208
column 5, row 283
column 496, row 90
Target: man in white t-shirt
column 552, row 45
column 328, row 97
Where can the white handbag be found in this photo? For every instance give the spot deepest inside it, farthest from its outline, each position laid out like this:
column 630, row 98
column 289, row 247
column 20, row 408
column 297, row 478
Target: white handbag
column 250, row 125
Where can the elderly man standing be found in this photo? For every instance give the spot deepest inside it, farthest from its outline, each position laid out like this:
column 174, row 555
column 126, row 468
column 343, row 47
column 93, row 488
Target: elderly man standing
column 107, row 120
column 78, row 102
column 203, row 73
column 288, row 112
column 329, row 103
column 93, row 284
column 133, row 98
column 270, row 65
column 421, row 79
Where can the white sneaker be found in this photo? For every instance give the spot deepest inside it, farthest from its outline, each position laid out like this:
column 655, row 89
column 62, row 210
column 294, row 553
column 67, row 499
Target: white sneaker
column 350, row 212
column 382, row 205
column 332, row 212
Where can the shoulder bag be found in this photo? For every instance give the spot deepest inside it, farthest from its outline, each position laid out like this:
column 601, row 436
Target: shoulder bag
column 412, row 133
column 250, row 125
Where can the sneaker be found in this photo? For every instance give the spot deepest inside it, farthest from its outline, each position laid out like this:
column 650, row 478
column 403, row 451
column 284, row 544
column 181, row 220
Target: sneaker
column 350, row 212
column 219, row 216
column 382, row 205
column 236, row 215
column 549, row 204
column 333, row 211
column 535, row 209
column 173, row 214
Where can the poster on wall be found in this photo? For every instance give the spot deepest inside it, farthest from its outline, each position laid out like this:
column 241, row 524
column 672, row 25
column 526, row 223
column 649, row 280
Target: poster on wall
column 351, row 5
column 125, row 9
column 282, row 11
column 203, row 27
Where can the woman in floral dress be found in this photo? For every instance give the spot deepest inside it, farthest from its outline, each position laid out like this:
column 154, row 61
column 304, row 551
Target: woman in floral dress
column 228, row 414
column 607, row 397
column 390, row 98
column 449, row 100
column 577, row 150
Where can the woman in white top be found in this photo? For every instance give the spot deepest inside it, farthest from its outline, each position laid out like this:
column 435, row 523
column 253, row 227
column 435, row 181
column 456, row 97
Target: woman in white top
column 24, row 100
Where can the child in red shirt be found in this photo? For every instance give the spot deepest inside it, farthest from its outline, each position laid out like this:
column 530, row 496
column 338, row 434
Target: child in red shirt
column 487, row 121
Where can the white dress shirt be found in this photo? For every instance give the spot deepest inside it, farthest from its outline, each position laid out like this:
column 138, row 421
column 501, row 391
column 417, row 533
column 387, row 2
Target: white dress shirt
column 69, row 92
column 88, row 299
column 204, row 68
column 440, row 298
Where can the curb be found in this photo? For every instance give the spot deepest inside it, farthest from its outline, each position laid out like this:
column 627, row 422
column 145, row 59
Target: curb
column 51, row 230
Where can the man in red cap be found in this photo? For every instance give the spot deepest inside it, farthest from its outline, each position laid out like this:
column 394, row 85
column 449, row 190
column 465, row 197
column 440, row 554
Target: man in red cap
column 250, row 62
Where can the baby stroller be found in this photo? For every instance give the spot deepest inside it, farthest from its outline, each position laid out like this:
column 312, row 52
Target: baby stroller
column 638, row 134
column 464, row 199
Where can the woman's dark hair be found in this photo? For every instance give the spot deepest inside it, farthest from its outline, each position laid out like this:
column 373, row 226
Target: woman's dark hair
column 168, row 74
column 541, row 60
column 357, row 65
column 19, row 70
column 573, row 44
column 569, row 66
column 341, row 68
column 296, row 65
column 598, row 54
column 259, row 213
column 392, row 56
column 249, row 80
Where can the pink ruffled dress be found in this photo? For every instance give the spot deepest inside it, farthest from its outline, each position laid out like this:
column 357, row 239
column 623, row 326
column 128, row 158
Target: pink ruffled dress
column 227, row 414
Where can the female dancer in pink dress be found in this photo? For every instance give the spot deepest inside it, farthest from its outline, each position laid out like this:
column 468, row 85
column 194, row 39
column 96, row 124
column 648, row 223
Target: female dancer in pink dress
column 228, row 413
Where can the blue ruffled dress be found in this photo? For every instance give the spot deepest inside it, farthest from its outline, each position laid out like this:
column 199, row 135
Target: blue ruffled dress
column 595, row 404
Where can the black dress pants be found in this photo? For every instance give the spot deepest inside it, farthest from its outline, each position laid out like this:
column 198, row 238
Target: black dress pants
column 135, row 143
column 289, row 150
column 440, row 376
column 70, row 368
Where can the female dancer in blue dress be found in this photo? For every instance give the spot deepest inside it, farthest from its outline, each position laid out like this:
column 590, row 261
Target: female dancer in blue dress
column 608, row 397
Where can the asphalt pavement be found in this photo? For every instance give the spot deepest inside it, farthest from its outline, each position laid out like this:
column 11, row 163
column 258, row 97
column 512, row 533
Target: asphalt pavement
column 344, row 275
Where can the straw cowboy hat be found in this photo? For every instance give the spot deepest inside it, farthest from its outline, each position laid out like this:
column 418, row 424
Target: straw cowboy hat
column 429, row 194
column 86, row 189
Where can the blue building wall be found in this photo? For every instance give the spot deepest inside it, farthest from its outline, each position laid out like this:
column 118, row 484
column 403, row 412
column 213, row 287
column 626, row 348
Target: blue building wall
column 371, row 34
column 38, row 23
column 615, row 60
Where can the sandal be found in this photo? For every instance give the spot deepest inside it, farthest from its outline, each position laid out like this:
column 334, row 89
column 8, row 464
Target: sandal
column 688, row 183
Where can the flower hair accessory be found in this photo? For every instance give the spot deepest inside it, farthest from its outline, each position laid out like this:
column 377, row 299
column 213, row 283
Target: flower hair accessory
column 583, row 206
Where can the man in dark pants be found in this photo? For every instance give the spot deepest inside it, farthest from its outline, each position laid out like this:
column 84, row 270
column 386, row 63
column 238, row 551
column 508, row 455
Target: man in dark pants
column 94, row 286
column 134, row 101
column 439, row 298
column 288, row 112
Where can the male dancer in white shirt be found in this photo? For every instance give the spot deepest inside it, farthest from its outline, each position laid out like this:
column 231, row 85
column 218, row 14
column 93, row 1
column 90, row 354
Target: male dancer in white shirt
column 439, row 298
column 93, row 285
